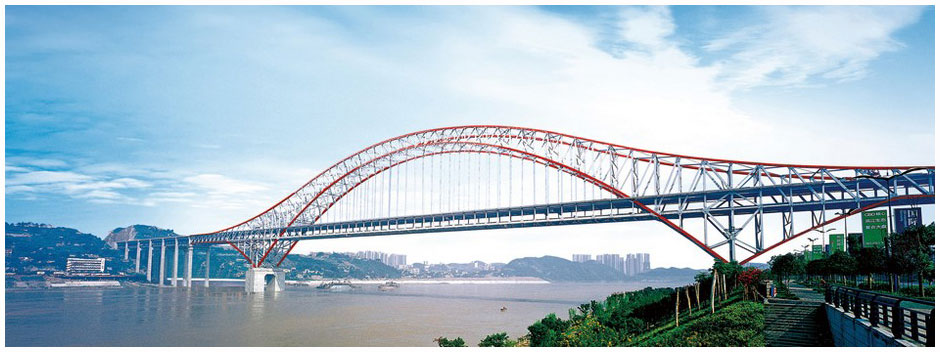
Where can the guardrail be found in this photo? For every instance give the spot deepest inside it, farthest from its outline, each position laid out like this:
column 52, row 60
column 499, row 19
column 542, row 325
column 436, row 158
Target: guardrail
column 901, row 314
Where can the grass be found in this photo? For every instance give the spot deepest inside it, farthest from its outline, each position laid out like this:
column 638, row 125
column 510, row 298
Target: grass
column 695, row 328
column 739, row 324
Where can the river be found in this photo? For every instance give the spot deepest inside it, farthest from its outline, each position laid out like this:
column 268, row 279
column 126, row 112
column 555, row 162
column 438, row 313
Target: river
column 412, row 315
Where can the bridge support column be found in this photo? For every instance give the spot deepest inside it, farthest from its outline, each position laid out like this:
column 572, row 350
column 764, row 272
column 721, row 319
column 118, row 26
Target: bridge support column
column 149, row 260
column 126, row 244
column 189, row 266
column 162, row 263
column 259, row 280
column 207, row 265
column 176, row 261
column 137, row 261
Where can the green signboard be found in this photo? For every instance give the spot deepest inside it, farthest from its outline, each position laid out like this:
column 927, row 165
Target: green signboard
column 837, row 243
column 817, row 252
column 874, row 228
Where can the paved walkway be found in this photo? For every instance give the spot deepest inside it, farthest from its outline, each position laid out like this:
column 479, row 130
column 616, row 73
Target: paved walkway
column 806, row 293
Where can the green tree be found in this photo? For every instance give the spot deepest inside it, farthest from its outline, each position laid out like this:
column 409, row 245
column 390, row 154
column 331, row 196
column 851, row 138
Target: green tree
column 730, row 269
column 911, row 253
column 703, row 277
column 444, row 342
column 870, row 261
column 818, row 268
column 500, row 339
column 547, row 332
column 840, row 263
column 784, row 266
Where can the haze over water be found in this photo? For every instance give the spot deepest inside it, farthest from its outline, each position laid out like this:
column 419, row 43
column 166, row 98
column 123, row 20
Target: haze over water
column 412, row 315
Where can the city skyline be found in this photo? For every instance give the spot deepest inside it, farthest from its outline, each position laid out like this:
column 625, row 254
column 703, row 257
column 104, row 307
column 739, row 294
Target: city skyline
column 134, row 120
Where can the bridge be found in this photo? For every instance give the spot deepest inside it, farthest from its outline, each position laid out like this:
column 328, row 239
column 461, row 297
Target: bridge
column 483, row 177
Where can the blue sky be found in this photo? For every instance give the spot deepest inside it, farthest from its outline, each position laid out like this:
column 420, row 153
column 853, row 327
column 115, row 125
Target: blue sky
column 195, row 118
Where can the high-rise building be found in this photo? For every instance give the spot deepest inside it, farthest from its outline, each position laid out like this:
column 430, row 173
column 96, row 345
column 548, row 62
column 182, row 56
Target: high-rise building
column 580, row 258
column 629, row 267
column 636, row 263
column 396, row 260
column 611, row 260
column 392, row 260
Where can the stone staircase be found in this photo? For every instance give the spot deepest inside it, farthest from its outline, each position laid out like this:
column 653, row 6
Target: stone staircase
column 792, row 323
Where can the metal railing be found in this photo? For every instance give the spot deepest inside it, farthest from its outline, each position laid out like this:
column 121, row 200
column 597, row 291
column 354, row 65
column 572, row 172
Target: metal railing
column 907, row 318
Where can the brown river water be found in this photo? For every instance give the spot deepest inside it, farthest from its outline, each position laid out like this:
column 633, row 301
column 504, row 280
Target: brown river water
column 412, row 315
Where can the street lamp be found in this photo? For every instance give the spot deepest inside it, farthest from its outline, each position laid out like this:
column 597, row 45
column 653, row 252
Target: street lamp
column 845, row 222
column 822, row 234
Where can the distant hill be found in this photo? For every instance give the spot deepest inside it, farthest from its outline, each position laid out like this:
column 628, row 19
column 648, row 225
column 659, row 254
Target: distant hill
column 228, row 263
column 136, row 232
column 557, row 269
column 761, row 266
column 337, row 265
column 668, row 275
column 32, row 247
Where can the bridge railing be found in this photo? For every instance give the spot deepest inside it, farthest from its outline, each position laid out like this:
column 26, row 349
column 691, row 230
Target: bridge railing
column 908, row 318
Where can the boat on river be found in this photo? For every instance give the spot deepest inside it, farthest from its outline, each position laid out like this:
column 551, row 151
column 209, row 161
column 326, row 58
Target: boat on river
column 388, row 286
column 337, row 285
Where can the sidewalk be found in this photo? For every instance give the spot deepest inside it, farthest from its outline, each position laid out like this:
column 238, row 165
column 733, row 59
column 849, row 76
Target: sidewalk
column 806, row 293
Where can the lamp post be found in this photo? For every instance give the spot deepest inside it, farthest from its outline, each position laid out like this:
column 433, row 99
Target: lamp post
column 845, row 229
column 822, row 233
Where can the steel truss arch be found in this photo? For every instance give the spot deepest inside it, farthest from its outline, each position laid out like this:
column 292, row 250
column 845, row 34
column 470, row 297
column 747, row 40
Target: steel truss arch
column 676, row 184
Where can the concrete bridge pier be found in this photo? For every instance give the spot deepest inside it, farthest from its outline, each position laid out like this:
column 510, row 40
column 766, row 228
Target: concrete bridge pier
column 189, row 266
column 162, row 263
column 259, row 280
column 149, row 260
column 137, row 261
column 176, row 261
column 207, row 265
column 126, row 244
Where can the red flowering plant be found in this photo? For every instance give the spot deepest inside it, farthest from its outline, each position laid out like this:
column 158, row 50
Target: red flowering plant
column 749, row 278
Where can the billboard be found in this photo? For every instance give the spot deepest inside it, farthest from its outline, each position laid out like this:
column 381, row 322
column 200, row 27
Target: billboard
column 837, row 243
column 817, row 252
column 874, row 228
column 906, row 217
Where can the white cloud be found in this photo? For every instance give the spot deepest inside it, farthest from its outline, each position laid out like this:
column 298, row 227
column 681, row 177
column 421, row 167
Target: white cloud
column 46, row 177
column 219, row 184
column 794, row 45
column 13, row 168
column 37, row 162
column 222, row 192
column 130, row 139
column 648, row 26
column 19, row 189
column 72, row 184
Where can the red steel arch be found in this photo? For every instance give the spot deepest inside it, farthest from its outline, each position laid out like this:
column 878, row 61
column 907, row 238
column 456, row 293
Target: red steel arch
column 566, row 153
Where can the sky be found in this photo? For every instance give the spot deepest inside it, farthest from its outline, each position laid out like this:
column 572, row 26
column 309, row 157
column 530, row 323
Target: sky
column 195, row 118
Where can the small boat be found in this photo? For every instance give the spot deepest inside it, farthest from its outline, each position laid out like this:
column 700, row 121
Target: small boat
column 337, row 285
column 388, row 286
column 503, row 309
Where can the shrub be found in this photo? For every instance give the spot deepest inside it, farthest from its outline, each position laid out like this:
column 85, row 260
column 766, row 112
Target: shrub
column 500, row 339
column 589, row 332
column 444, row 342
column 547, row 332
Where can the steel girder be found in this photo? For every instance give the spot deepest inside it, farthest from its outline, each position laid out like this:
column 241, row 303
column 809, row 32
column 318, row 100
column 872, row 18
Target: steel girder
column 729, row 195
